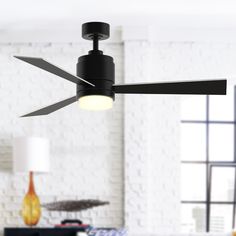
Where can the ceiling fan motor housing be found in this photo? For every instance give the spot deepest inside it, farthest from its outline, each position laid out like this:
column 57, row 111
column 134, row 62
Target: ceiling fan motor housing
column 95, row 67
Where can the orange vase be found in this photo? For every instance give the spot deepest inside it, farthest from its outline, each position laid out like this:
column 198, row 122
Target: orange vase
column 31, row 210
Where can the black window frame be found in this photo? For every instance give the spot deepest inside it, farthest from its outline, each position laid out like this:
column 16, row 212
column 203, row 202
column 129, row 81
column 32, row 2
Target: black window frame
column 211, row 164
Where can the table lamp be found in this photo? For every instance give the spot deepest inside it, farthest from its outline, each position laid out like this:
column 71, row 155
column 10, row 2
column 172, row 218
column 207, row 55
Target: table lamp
column 31, row 155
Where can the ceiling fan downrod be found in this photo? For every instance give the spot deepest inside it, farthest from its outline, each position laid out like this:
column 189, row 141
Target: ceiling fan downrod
column 95, row 31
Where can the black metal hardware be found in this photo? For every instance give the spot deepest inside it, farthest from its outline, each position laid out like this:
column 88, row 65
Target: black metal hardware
column 42, row 231
column 69, row 221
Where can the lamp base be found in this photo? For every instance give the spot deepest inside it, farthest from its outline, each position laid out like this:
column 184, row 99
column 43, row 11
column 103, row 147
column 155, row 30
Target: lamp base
column 31, row 209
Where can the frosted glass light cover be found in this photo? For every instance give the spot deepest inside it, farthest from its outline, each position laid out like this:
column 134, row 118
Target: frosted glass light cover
column 95, row 102
column 31, row 154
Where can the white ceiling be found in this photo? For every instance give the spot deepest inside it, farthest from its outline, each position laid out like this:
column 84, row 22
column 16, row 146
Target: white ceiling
column 69, row 14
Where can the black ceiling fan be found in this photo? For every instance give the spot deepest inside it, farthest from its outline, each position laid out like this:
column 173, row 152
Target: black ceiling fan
column 95, row 79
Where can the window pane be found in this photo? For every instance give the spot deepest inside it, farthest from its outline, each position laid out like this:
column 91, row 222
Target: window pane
column 221, row 218
column 221, row 142
column 193, row 182
column 193, row 218
column 193, row 142
column 222, row 107
column 193, row 108
column 222, row 183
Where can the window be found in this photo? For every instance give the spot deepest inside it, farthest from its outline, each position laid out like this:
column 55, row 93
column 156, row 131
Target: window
column 208, row 163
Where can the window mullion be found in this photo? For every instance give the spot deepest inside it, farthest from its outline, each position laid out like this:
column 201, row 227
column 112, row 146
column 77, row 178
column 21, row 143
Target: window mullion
column 207, row 168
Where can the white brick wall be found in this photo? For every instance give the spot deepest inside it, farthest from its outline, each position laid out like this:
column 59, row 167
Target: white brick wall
column 151, row 150
column 136, row 140
column 86, row 153
column 130, row 158
column 152, row 127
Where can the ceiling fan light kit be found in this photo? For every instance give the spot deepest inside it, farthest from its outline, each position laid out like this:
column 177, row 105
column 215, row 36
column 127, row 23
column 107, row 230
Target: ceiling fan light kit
column 95, row 78
column 95, row 102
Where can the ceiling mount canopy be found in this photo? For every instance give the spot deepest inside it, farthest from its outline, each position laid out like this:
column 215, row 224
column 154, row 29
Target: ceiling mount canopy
column 95, row 78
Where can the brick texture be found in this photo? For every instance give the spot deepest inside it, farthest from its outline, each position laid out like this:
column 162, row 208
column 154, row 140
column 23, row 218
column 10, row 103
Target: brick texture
column 128, row 155
column 151, row 150
column 86, row 152
column 152, row 127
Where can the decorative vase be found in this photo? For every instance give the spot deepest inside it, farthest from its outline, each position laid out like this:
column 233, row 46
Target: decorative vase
column 31, row 209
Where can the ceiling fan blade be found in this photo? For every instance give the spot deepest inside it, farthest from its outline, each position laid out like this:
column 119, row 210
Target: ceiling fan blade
column 207, row 87
column 45, row 65
column 54, row 107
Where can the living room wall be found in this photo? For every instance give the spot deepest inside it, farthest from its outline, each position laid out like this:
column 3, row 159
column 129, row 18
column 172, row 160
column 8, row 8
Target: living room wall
column 86, row 149
column 128, row 155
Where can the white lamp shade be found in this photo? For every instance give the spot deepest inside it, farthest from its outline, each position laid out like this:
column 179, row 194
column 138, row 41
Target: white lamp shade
column 31, row 154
